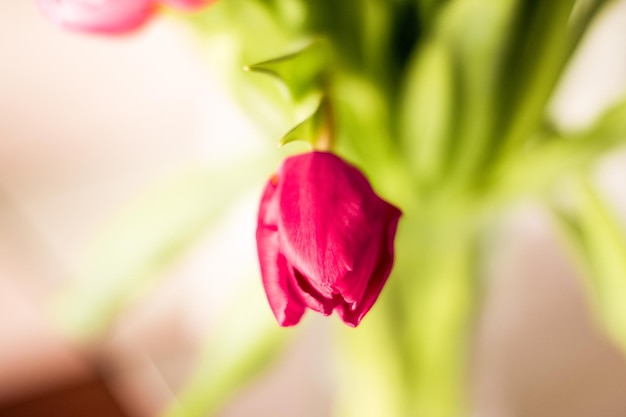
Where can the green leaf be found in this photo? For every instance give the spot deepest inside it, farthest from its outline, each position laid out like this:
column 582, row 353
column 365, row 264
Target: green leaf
column 477, row 34
column 535, row 60
column 142, row 241
column 600, row 242
column 428, row 110
column 302, row 72
column 558, row 155
column 308, row 130
column 246, row 342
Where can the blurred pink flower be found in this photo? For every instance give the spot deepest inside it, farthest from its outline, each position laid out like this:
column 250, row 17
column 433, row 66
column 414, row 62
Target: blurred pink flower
column 325, row 239
column 108, row 16
column 101, row 16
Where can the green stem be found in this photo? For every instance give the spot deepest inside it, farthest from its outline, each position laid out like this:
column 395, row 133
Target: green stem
column 439, row 303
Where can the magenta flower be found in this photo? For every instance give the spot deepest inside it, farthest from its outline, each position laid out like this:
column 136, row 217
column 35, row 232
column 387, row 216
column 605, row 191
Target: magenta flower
column 108, row 16
column 325, row 239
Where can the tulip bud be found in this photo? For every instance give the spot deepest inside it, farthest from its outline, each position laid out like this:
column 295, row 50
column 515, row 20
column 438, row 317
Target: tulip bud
column 325, row 239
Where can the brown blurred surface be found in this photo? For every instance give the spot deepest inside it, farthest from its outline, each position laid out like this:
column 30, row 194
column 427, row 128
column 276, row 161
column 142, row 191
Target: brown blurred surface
column 32, row 357
column 86, row 397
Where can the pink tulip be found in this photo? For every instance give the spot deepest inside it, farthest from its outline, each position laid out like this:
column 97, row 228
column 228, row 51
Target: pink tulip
column 325, row 239
column 109, row 16
column 99, row 16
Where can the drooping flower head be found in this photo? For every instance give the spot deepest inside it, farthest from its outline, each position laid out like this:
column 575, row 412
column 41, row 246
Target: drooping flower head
column 108, row 16
column 325, row 239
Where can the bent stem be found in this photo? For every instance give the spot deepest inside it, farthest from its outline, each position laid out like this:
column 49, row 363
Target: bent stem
column 326, row 138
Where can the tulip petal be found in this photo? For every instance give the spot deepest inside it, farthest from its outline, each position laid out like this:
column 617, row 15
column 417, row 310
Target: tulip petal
column 311, row 297
column 101, row 16
column 353, row 284
column 352, row 314
column 326, row 213
column 277, row 280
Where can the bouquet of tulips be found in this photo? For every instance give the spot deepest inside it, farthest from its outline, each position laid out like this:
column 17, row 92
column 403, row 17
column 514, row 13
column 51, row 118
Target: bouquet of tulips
column 407, row 127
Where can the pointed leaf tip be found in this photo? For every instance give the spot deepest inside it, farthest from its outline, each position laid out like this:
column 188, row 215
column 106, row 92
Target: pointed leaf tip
column 308, row 130
column 302, row 71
